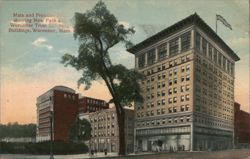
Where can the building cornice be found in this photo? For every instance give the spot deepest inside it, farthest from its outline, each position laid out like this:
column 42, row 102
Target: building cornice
column 193, row 19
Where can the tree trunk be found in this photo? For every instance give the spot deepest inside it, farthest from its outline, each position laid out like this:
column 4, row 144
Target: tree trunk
column 121, row 127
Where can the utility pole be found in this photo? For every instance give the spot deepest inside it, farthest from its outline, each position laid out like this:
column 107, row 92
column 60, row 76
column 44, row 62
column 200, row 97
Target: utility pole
column 51, row 134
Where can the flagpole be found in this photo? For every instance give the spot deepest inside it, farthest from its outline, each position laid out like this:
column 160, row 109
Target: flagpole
column 216, row 24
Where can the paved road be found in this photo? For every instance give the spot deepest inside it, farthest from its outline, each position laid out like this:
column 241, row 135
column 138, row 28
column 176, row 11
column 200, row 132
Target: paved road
column 79, row 156
column 229, row 154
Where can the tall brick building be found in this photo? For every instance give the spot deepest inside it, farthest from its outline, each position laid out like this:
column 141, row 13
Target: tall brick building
column 188, row 91
column 241, row 125
column 62, row 103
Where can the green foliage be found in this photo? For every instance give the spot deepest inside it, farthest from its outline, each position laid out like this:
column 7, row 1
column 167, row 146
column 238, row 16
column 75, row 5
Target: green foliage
column 16, row 130
column 43, row 148
column 80, row 131
column 97, row 31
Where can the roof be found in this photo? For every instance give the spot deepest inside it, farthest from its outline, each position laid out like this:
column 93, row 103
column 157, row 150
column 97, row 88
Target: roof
column 193, row 19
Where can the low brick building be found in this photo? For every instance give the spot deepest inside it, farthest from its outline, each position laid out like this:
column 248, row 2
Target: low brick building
column 105, row 133
column 88, row 105
column 241, row 125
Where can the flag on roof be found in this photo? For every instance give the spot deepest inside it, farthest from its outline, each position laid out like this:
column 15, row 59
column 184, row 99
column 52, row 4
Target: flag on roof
column 223, row 20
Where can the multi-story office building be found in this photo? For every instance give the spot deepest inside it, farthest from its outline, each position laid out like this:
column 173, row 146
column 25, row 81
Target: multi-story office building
column 61, row 105
column 88, row 105
column 241, row 125
column 105, row 133
column 188, row 91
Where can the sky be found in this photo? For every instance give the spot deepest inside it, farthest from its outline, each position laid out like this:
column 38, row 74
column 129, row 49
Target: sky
column 30, row 62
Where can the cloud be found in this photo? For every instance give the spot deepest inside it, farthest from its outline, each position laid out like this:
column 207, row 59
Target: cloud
column 42, row 43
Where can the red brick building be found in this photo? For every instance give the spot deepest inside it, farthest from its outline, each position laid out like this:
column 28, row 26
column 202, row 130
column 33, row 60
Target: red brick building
column 88, row 105
column 62, row 103
column 241, row 125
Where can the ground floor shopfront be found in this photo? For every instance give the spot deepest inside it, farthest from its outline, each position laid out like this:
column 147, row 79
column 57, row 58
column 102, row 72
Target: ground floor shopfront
column 182, row 138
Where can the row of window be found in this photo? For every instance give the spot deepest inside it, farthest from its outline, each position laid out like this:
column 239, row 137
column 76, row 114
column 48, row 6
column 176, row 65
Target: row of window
column 170, row 109
column 102, row 118
column 163, row 50
column 103, row 134
column 202, row 45
column 165, row 121
column 69, row 96
column 96, row 102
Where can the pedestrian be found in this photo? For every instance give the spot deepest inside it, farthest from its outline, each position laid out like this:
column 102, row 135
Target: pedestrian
column 105, row 151
column 95, row 151
column 92, row 152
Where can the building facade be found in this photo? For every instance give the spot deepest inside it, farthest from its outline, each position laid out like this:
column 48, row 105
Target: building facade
column 241, row 125
column 105, row 133
column 188, row 91
column 88, row 105
column 61, row 105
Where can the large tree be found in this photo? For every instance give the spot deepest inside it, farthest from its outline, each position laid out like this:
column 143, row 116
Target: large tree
column 97, row 31
column 80, row 131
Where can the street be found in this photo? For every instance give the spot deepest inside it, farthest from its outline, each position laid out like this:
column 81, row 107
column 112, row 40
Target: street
column 228, row 154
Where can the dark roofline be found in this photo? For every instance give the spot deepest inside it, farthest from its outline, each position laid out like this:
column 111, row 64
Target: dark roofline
column 193, row 19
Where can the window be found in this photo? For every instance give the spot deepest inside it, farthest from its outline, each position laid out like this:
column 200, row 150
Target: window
column 182, row 78
column 170, row 110
column 210, row 51
column 215, row 55
column 163, row 84
column 197, row 41
column 162, row 51
column 170, row 100
column 163, row 93
column 151, row 56
column 174, row 109
column 182, row 69
column 224, row 62
column 169, row 91
column 182, row 108
column 163, row 75
column 204, row 46
column 185, row 41
column 187, row 87
column 170, row 82
column 170, row 72
column 173, row 46
column 163, row 101
column 175, row 71
column 187, row 97
column 182, row 98
column 175, row 81
column 175, row 99
column 187, row 107
column 182, row 88
column 158, row 102
column 158, row 85
column 220, row 56
column 187, row 78
column 188, row 68
column 175, row 90
column 141, row 60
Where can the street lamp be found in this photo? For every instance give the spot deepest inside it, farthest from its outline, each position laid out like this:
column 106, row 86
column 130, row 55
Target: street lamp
column 51, row 133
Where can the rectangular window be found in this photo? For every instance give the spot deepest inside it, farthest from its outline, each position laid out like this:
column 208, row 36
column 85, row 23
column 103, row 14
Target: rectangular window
column 185, row 41
column 220, row 57
column 204, row 46
column 162, row 51
column 215, row 55
column 173, row 46
column 224, row 62
column 141, row 60
column 151, row 56
column 197, row 41
column 175, row 71
column 210, row 51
